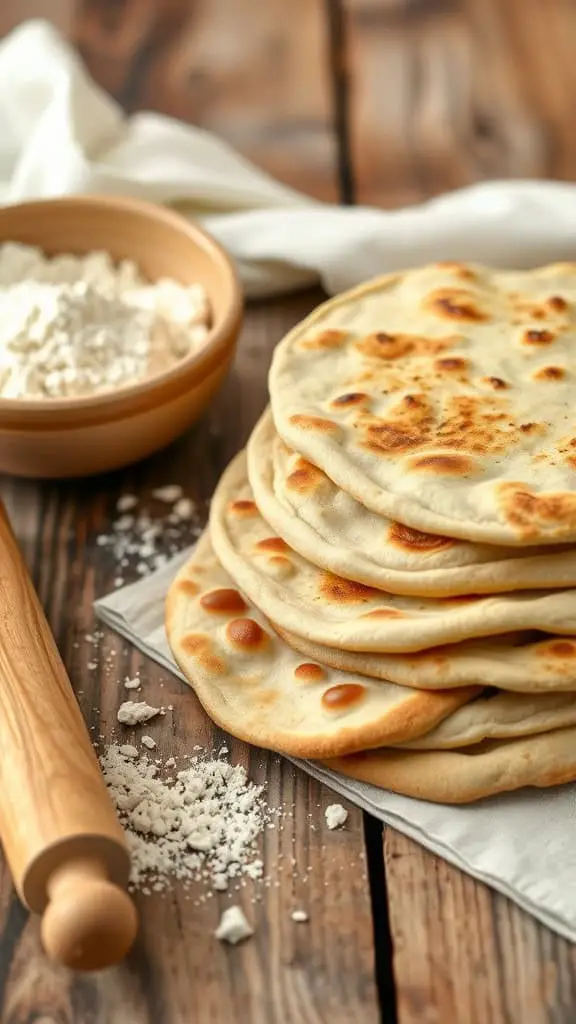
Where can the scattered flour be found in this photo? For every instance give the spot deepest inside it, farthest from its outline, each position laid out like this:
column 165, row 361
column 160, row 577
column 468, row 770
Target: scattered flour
column 139, row 543
column 233, row 926
column 170, row 493
column 79, row 325
column 335, row 815
column 148, row 742
column 201, row 825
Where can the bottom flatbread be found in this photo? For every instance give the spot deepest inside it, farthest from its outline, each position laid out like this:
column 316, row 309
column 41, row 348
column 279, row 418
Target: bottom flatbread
column 499, row 716
column 462, row 776
column 255, row 686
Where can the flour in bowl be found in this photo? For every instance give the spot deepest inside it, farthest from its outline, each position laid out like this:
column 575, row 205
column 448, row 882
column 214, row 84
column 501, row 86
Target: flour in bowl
column 72, row 326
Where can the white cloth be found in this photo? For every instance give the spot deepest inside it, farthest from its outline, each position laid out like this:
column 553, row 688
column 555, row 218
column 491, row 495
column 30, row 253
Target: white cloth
column 60, row 134
column 522, row 844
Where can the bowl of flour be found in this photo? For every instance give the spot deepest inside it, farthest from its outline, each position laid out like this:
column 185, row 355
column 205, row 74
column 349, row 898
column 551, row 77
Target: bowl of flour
column 118, row 321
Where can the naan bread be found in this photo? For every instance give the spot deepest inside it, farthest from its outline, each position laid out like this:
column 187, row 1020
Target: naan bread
column 461, row 776
column 499, row 716
column 334, row 531
column 331, row 610
column 442, row 398
column 255, row 686
column 514, row 661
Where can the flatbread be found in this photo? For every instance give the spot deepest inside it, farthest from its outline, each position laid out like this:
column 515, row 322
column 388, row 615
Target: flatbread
column 514, row 661
column 442, row 398
column 334, row 531
column 256, row 687
column 331, row 610
column 497, row 716
column 461, row 776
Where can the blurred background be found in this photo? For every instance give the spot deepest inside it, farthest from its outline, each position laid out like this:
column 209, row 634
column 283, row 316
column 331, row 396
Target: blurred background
column 373, row 101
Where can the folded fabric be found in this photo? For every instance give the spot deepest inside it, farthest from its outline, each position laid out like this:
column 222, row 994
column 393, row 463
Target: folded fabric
column 61, row 134
column 521, row 844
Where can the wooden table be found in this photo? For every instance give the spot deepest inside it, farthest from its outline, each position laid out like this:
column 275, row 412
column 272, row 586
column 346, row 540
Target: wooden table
column 374, row 101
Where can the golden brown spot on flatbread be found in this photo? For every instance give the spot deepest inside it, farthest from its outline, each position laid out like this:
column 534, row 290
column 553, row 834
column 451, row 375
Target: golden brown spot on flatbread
column 274, row 544
column 526, row 511
column 395, row 346
column 549, row 373
column 538, row 337
column 408, row 539
column 343, row 696
column 458, row 269
column 384, row 439
column 315, row 424
column 444, row 465
column 557, row 303
column 305, row 478
column 242, row 507
column 384, row 613
column 532, row 428
column 281, row 565
column 454, row 304
column 246, row 634
column 223, row 602
column 495, row 382
column 342, row 591
column 451, row 363
column 327, row 339
column 188, row 587
column 309, row 672
column 352, row 398
column 561, row 649
column 200, row 647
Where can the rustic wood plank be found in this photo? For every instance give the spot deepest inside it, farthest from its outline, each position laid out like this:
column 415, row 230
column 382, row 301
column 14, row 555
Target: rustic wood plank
column 257, row 74
column 444, row 94
column 14, row 12
column 465, row 953
column 288, row 973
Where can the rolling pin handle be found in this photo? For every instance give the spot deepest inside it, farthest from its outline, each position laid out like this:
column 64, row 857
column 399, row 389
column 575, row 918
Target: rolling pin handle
column 89, row 922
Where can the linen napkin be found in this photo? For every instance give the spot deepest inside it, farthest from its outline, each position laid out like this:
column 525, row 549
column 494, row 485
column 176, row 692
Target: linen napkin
column 61, row 134
column 522, row 844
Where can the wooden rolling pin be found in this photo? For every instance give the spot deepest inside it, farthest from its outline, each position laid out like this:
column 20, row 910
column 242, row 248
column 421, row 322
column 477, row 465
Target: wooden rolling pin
column 64, row 845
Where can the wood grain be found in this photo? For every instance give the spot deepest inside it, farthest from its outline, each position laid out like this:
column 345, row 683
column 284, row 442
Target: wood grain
column 289, row 973
column 256, row 75
column 444, row 94
column 465, row 953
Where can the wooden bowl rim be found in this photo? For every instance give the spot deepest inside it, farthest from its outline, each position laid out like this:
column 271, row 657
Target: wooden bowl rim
column 155, row 389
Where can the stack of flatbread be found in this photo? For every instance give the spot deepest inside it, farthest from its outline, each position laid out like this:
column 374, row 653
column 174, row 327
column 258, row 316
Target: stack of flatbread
column 388, row 583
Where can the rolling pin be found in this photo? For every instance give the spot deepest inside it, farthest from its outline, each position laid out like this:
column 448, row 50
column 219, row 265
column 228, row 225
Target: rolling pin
column 64, row 845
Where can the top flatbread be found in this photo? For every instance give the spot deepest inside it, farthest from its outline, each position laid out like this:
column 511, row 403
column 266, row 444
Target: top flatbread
column 336, row 532
column 443, row 398
column 328, row 609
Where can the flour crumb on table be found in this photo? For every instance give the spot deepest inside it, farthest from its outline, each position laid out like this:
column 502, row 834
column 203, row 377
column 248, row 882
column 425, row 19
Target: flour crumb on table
column 132, row 684
column 335, row 815
column 80, row 325
column 300, row 916
column 135, row 712
column 148, row 742
column 169, row 494
column 127, row 750
column 233, row 926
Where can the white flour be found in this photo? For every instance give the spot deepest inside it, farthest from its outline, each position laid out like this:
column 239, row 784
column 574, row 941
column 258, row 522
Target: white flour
column 77, row 325
column 200, row 824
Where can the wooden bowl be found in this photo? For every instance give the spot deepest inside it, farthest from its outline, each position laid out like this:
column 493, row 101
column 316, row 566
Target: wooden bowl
column 74, row 437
